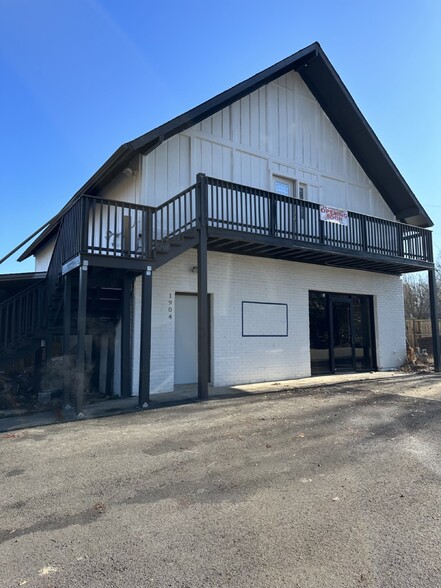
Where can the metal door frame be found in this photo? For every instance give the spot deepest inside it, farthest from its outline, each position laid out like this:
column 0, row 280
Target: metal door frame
column 348, row 300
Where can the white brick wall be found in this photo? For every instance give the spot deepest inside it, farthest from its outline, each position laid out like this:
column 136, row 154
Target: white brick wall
column 234, row 278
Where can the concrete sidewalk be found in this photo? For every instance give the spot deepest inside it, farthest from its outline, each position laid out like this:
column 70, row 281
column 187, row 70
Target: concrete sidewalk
column 186, row 394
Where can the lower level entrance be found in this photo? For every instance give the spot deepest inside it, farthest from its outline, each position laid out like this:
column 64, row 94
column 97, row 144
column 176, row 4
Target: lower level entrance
column 186, row 338
column 341, row 333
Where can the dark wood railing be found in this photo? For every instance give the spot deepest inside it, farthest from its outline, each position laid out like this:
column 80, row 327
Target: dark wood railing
column 112, row 228
column 67, row 245
column 120, row 229
column 21, row 316
column 175, row 217
column 240, row 208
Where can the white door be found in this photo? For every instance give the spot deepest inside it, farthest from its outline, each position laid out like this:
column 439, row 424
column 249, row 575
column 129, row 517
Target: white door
column 186, row 339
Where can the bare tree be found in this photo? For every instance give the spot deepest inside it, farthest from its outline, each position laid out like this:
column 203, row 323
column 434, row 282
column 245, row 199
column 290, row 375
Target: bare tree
column 416, row 293
column 416, row 296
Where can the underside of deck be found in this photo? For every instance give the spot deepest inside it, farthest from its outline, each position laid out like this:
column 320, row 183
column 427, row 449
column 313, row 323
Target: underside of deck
column 293, row 250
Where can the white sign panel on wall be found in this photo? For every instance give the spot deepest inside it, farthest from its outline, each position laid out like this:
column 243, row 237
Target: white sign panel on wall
column 264, row 319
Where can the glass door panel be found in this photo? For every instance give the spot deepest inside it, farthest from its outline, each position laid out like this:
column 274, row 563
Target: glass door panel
column 363, row 333
column 319, row 333
column 342, row 330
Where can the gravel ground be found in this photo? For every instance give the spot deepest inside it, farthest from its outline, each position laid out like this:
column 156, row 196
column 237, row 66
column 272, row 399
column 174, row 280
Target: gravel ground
column 327, row 486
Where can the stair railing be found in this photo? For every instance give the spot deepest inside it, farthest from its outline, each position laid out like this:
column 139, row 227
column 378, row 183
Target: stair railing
column 21, row 316
column 175, row 217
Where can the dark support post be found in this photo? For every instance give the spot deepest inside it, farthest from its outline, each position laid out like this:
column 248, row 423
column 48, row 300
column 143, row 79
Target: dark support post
column 125, row 337
column 364, row 240
column 67, row 367
column 400, row 240
column 321, row 230
column 203, row 339
column 273, row 215
column 146, row 338
column 434, row 319
column 81, row 336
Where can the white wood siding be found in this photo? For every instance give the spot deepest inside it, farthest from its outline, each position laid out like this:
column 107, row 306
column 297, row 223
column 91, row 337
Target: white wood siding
column 43, row 256
column 278, row 129
column 124, row 188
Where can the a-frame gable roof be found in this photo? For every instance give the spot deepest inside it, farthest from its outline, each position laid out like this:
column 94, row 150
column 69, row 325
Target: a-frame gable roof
column 326, row 86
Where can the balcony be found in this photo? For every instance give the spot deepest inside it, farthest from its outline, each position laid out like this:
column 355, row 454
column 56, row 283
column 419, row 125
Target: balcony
column 241, row 220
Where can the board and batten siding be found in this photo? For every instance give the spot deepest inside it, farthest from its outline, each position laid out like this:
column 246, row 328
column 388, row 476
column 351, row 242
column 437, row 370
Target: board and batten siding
column 279, row 129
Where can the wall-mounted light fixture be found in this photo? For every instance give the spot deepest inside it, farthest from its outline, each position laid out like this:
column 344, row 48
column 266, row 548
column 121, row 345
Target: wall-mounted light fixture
column 129, row 172
column 194, row 269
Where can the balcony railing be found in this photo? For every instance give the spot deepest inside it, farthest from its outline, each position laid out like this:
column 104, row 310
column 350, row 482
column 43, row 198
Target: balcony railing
column 21, row 316
column 239, row 208
column 95, row 226
column 120, row 229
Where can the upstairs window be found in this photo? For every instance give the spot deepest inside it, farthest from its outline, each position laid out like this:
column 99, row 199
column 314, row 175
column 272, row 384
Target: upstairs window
column 302, row 191
column 284, row 187
column 288, row 187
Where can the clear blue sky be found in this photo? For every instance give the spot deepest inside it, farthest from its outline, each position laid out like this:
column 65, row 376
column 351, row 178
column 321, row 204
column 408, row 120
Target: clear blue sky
column 81, row 77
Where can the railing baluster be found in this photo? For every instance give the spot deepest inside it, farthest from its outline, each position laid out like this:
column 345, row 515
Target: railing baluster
column 108, row 230
column 227, row 208
column 100, row 234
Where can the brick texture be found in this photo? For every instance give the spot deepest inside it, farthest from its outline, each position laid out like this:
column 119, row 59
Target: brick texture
column 233, row 279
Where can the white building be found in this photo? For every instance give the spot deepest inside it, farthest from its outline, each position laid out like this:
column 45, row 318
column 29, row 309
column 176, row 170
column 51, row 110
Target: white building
column 260, row 236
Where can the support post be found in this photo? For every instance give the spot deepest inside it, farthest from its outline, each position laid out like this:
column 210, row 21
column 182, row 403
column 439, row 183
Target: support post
column 81, row 338
column 67, row 364
column 203, row 330
column 146, row 338
column 272, row 221
column 434, row 319
column 125, row 338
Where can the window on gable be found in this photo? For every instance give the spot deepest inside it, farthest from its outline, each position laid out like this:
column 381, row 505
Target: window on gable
column 302, row 191
column 289, row 187
column 283, row 187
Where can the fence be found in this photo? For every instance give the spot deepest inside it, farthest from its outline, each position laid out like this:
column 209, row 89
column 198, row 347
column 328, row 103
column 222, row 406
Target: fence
column 419, row 333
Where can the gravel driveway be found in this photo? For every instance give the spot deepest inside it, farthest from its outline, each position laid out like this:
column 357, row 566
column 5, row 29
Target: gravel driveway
column 328, row 486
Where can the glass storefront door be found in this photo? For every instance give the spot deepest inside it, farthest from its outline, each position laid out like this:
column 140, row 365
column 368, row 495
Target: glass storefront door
column 341, row 333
